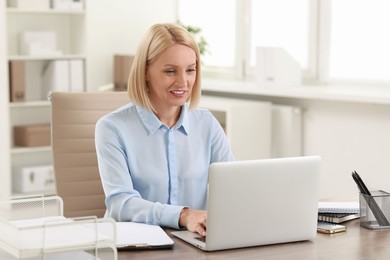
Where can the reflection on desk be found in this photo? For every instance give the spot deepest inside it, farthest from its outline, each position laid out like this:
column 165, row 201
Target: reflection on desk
column 357, row 243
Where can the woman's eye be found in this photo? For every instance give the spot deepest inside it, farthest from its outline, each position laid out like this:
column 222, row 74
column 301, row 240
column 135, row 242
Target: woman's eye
column 170, row 72
column 191, row 70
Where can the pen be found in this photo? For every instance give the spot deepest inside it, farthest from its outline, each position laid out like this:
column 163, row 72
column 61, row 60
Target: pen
column 362, row 187
column 378, row 214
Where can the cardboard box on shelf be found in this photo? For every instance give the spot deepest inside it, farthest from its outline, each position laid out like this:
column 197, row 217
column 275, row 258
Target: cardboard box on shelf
column 37, row 43
column 122, row 66
column 17, row 81
column 67, row 4
column 60, row 4
column 29, row 4
column 32, row 135
column 33, row 178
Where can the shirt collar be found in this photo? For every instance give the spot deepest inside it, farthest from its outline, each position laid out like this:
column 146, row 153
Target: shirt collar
column 152, row 123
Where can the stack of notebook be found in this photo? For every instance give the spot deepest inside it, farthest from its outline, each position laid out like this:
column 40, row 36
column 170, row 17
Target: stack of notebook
column 338, row 212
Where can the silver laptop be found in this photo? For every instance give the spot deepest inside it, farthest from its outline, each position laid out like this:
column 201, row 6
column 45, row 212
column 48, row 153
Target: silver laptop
column 260, row 202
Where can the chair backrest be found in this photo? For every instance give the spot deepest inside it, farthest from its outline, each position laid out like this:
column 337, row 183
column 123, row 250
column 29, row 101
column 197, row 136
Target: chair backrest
column 74, row 116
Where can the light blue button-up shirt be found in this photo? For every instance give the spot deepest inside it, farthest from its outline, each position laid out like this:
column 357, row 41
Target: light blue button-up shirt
column 149, row 171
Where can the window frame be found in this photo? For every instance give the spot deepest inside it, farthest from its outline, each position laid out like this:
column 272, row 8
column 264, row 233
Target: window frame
column 319, row 33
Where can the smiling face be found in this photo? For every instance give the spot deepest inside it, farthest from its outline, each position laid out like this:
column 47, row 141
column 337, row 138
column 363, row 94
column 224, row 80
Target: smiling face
column 171, row 77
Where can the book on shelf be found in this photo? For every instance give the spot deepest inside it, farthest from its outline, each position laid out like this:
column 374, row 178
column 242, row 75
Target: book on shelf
column 337, row 217
column 338, row 207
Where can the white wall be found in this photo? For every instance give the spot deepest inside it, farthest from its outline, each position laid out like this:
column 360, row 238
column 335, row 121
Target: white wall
column 347, row 135
column 115, row 27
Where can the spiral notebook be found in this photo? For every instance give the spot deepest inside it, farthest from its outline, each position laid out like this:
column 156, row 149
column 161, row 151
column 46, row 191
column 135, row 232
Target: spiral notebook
column 338, row 207
column 337, row 217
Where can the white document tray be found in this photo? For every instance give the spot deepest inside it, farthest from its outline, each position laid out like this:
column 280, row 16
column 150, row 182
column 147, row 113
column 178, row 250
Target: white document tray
column 33, row 227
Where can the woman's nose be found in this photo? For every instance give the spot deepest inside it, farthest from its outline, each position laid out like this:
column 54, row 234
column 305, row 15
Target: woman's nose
column 181, row 80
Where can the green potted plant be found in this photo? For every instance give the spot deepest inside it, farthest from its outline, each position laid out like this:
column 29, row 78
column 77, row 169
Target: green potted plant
column 196, row 32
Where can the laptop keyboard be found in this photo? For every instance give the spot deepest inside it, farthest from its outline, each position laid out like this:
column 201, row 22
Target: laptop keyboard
column 203, row 239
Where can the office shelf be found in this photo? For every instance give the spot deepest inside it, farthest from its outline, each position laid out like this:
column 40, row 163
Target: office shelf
column 70, row 29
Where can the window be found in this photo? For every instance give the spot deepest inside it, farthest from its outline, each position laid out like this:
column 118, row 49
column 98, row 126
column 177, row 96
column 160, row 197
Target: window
column 343, row 40
column 359, row 40
column 217, row 20
column 282, row 23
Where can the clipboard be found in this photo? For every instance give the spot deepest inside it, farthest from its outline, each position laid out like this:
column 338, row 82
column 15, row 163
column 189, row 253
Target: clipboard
column 139, row 236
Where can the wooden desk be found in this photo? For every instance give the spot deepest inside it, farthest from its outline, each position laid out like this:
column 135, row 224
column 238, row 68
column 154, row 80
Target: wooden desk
column 357, row 243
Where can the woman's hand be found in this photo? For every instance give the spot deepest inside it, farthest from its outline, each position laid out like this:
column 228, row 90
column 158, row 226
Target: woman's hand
column 194, row 220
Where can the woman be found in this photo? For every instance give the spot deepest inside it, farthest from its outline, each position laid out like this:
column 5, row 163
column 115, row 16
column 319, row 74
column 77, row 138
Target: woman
column 154, row 154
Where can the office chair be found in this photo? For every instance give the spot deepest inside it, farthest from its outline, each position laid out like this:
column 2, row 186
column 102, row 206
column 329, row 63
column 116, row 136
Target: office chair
column 74, row 116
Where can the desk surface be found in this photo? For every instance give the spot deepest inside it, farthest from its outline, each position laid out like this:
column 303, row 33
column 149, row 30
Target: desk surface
column 356, row 244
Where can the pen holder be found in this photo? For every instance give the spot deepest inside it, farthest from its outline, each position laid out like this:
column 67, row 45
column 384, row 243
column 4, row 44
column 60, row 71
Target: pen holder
column 375, row 210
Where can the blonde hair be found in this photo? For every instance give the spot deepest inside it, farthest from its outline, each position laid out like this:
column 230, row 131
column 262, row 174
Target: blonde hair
column 156, row 40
